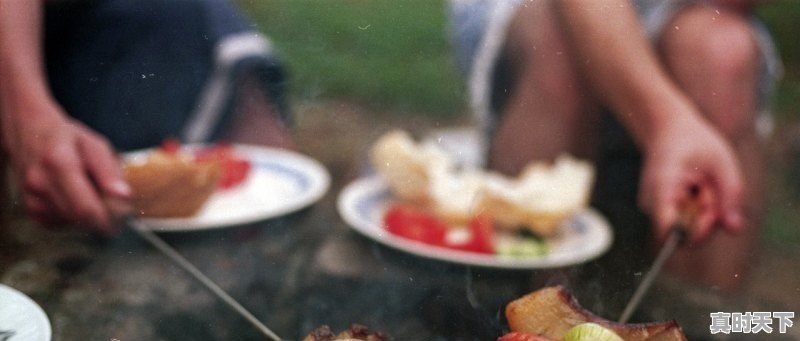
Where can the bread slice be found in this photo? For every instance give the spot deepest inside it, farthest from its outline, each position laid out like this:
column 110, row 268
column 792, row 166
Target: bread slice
column 538, row 200
column 456, row 196
column 541, row 197
column 171, row 186
column 408, row 167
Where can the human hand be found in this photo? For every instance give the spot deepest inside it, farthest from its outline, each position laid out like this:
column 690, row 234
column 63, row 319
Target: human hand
column 688, row 161
column 68, row 174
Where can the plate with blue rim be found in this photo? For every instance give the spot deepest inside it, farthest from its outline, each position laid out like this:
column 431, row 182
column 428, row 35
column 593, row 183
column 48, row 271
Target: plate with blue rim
column 279, row 182
column 21, row 318
column 583, row 237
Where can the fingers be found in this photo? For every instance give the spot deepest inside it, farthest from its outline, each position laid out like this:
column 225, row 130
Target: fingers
column 81, row 195
column 718, row 202
column 102, row 165
column 677, row 198
column 699, row 210
column 57, row 189
column 659, row 196
column 671, row 198
column 104, row 168
column 730, row 187
column 42, row 211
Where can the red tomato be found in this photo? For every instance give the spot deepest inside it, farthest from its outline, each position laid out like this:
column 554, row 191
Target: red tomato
column 235, row 172
column 170, row 146
column 482, row 240
column 415, row 224
column 234, row 169
column 517, row 336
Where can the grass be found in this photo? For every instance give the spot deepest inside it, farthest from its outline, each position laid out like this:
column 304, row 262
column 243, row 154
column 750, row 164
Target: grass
column 782, row 221
column 395, row 54
column 381, row 53
column 781, row 19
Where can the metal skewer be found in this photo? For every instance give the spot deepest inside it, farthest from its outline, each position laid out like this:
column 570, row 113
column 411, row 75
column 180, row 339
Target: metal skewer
column 675, row 236
column 158, row 243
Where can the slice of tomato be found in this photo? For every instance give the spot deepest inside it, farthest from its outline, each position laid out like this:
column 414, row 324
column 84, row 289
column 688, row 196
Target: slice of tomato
column 170, row 146
column 517, row 336
column 415, row 224
column 234, row 168
column 481, row 236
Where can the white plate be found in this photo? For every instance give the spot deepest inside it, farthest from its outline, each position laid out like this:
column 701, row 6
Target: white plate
column 585, row 236
column 280, row 182
column 23, row 316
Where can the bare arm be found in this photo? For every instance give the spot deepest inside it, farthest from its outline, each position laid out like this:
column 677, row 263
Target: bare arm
column 21, row 65
column 66, row 171
column 680, row 147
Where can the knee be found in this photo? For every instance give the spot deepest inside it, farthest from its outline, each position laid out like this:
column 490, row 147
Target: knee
column 731, row 56
column 718, row 51
column 722, row 44
column 731, row 51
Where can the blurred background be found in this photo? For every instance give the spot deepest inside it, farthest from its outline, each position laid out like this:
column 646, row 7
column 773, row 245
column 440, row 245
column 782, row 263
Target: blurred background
column 358, row 68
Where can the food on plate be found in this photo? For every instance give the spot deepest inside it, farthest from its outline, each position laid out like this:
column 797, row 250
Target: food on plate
column 235, row 169
column 541, row 197
column 168, row 185
column 354, row 333
column 528, row 208
column 407, row 166
column 173, row 182
column 552, row 313
column 538, row 200
column 418, row 224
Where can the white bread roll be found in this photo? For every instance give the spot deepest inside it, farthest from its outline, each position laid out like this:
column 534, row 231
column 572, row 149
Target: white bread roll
column 539, row 199
column 407, row 166
column 456, row 196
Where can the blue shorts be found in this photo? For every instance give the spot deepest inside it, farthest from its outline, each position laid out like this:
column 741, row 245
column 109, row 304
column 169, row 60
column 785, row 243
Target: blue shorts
column 478, row 29
column 139, row 71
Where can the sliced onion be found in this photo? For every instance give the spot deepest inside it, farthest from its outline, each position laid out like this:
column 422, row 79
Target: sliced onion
column 591, row 332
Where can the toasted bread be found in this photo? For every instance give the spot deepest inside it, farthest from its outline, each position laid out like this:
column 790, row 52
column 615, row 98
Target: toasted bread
column 171, row 186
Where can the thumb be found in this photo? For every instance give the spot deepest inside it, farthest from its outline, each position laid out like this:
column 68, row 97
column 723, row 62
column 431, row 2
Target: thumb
column 666, row 211
column 103, row 166
column 730, row 186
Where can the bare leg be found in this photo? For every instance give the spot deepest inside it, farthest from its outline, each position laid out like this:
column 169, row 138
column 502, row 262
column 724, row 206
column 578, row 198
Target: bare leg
column 257, row 120
column 549, row 110
column 714, row 58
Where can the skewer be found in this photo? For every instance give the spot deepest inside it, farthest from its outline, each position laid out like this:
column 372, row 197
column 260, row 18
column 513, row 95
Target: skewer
column 675, row 236
column 158, row 243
